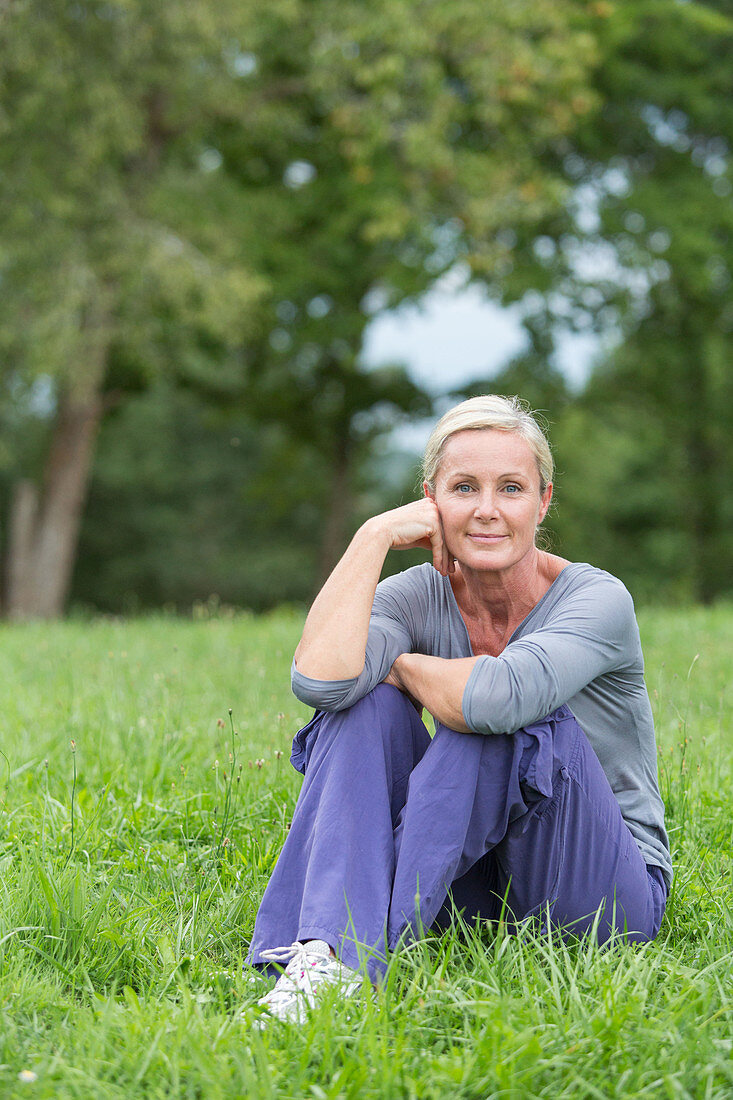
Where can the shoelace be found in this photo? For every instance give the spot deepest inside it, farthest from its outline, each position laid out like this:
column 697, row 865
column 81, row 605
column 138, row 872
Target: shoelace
column 288, row 955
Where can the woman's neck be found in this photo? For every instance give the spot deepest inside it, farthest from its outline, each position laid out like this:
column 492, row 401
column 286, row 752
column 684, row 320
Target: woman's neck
column 506, row 596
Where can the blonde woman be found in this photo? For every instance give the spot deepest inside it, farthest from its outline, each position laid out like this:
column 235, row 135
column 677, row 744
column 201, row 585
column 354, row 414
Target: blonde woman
column 537, row 798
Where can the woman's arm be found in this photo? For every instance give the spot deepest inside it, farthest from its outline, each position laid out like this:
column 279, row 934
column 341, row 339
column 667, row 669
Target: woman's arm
column 334, row 638
column 592, row 633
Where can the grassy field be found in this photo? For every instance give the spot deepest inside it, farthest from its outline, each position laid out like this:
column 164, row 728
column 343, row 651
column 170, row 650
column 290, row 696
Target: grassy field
column 136, row 835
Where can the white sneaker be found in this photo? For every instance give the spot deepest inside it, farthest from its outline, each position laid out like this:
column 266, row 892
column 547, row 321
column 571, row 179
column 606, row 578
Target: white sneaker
column 311, row 970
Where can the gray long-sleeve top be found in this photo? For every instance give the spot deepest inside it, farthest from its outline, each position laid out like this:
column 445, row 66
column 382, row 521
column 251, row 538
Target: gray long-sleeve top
column 579, row 645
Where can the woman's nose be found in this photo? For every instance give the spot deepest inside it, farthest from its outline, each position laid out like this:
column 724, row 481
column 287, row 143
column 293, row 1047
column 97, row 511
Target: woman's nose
column 486, row 504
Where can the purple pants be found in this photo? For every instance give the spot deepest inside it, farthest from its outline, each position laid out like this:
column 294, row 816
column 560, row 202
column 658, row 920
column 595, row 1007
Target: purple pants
column 393, row 831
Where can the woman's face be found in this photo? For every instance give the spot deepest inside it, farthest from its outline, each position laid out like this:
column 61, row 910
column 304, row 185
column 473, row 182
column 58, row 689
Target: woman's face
column 487, row 490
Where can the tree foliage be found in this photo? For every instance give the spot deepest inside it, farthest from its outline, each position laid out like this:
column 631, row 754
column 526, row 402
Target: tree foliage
column 224, row 193
column 103, row 110
column 643, row 252
column 202, row 207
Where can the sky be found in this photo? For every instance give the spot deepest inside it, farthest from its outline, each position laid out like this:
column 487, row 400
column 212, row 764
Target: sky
column 453, row 336
column 456, row 334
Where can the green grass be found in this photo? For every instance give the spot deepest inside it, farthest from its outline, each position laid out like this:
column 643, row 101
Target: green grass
column 131, row 868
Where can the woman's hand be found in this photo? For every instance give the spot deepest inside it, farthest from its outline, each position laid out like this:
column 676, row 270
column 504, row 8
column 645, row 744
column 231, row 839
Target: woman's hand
column 436, row 683
column 416, row 525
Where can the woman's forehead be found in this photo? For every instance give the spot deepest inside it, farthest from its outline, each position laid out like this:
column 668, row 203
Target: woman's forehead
column 487, row 449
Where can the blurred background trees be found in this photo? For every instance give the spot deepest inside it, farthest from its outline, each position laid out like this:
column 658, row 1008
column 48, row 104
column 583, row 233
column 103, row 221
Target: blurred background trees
column 642, row 253
column 109, row 279
column 203, row 206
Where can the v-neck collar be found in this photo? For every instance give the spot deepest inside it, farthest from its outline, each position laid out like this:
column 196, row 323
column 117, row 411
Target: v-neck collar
column 570, row 567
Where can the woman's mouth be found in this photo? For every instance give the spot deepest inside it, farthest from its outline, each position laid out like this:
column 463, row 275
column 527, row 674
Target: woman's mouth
column 486, row 539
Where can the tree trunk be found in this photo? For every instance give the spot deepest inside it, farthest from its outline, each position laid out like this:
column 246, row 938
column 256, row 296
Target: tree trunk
column 42, row 547
column 23, row 515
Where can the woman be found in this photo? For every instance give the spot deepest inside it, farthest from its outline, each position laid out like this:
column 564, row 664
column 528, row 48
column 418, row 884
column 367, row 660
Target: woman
column 537, row 796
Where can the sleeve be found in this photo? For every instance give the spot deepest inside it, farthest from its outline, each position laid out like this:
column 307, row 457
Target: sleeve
column 392, row 631
column 593, row 632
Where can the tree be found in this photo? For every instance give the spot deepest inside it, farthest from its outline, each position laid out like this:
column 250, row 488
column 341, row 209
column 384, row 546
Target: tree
column 411, row 135
column 103, row 112
column 644, row 250
column 177, row 177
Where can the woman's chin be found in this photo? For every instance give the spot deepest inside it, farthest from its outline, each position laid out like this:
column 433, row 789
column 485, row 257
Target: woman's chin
column 482, row 563
column 487, row 560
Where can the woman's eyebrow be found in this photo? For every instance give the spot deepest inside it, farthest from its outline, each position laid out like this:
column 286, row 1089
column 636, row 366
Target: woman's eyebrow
column 507, row 473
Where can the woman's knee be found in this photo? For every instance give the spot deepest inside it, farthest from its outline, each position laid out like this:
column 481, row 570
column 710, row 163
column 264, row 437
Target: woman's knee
column 384, row 706
column 389, row 698
column 383, row 716
column 376, row 741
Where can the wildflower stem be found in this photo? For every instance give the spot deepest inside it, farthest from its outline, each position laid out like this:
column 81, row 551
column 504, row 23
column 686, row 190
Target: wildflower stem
column 73, row 798
column 228, row 792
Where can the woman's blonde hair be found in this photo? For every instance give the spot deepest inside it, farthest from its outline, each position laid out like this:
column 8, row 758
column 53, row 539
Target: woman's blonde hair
column 504, row 414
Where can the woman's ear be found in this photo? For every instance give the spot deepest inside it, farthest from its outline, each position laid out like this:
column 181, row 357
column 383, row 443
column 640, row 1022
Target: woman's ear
column 427, row 491
column 545, row 502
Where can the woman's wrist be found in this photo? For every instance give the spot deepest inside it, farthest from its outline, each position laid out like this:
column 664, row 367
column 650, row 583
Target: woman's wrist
column 375, row 532
column 403, row 666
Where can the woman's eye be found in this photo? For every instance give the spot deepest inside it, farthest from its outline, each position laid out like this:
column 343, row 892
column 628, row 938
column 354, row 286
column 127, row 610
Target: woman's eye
column 512, row 489
column 463, row 488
